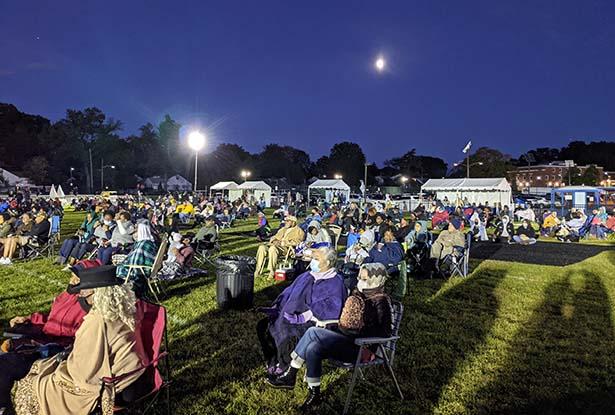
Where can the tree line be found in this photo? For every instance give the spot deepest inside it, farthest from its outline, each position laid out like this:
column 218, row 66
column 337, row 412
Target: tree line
column 73, row 150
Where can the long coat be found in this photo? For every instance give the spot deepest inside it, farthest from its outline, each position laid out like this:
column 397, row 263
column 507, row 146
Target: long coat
column 101, row 349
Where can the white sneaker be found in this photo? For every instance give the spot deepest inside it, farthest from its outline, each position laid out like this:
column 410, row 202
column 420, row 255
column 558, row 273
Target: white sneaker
column 7, row 261
column 3, row 261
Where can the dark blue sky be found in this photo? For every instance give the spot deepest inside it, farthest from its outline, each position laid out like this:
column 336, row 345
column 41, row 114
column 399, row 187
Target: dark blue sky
column 513, row 75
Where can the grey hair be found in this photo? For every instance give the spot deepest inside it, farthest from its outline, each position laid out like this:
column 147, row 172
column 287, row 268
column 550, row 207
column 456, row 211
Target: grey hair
column 116, row 302
column 329, row 255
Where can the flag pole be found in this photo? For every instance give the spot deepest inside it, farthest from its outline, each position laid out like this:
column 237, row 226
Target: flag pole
column 468, row 166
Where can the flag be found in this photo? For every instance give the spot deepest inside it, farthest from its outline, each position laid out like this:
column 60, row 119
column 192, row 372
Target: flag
column 467, row 147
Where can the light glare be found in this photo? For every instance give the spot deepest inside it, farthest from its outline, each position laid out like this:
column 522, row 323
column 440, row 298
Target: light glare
column 196, row 140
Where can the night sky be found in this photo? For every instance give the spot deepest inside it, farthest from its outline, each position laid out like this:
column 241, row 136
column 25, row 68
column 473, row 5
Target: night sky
column 513, row 75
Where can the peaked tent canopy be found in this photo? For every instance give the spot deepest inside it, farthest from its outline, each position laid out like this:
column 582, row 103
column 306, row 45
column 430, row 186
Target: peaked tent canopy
column 224, row 186
column 52, row 192
column 479, row 191
column 60, row 192
column 329, row 188
column 255, row 190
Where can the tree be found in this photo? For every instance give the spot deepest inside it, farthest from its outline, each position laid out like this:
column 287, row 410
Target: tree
column 348, row 160
column 82, row 128
column 414, row 166
column 168, row 134
column 485, row 162
column 276, row 161
column 36, row 169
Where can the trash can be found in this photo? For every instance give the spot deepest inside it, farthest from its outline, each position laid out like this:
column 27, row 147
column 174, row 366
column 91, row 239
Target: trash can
column 235, row 281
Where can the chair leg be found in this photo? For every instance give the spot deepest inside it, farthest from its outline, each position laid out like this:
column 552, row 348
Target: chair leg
column 390, row 369
column 355, row 373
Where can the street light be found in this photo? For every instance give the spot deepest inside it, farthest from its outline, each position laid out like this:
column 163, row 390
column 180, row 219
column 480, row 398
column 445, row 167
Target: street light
column 245, row 174
column 338, row 176
column 196, row 141
column 102, row 173
column 461, row 163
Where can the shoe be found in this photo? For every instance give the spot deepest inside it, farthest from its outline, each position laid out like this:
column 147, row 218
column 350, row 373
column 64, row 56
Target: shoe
column 66, row 268
column 3, row 261
column 7, row 261
column 313, row 399
column 286, row 380
column 274, row 372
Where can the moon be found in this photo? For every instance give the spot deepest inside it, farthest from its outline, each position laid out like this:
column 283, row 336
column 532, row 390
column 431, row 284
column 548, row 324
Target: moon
column 380, row 64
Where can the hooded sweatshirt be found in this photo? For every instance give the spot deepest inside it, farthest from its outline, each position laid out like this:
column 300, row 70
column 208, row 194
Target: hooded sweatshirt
column 320, row 237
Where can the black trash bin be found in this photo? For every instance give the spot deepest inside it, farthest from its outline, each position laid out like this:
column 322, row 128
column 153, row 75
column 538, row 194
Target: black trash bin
column 235, row 281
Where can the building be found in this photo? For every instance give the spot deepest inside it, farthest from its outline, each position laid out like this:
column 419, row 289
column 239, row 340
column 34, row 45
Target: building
column 542, row 178
column 11, row 180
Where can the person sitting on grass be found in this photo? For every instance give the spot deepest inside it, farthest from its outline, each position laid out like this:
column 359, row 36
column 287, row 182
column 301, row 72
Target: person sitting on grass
column 285, row 240
column 314, row 298
column 105, row 345
column 137, row 265
column 263, row 230
column 58, row 326
column 366, row 313
column 207, row 235
column 550, row 224
column 28, row 231
column 182, row 259
column 525, row 234
column 504, row 231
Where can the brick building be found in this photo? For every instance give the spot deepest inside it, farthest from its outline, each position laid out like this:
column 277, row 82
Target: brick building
column 547, row 176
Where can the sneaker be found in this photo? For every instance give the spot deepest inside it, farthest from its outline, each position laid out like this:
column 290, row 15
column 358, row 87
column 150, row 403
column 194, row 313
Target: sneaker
column 7, row 261
column 4, row 261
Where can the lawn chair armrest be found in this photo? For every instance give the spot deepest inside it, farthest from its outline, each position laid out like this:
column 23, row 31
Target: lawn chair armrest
column 325, row 323
column 366, row 341
column 112, row 380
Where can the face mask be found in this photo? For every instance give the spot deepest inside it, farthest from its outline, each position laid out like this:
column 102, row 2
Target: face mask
column 362, row 285
column 314, row 265
column 85, row 306
column 107, row 222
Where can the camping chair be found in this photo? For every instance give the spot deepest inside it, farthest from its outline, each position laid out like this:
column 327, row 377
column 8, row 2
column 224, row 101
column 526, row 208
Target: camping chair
column 206, row 255
column 460, row 258
column 152, row 279
column 384, row 356
column 335, row 231
column 34, row 249
column 148, row 387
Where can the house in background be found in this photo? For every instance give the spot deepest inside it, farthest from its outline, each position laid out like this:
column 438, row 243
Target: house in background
column 8, row 179
column 178, row 183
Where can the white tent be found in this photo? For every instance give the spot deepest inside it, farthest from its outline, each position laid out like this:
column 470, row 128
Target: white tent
column 222, row 187
column 60, row 192
column 178, row 183
column 479, row 191
column 329, row 188
column 52, row 193
column 12, row 179
column 253, row 189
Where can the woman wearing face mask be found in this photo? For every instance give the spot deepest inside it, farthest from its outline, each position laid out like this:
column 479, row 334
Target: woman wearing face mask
column 314, row 298
column 525, row 234
column 366, row 313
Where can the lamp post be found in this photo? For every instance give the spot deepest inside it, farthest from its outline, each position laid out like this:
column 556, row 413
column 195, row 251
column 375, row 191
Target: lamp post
column 468, row 165
column 196, row 141
column 245, row 174
column 102, row 173
column 338, row 177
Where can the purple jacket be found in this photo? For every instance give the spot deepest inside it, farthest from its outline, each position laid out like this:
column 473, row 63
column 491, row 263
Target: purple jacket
column 324, row 298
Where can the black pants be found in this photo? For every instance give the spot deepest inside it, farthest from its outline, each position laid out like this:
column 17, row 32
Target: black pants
column 274, row 355
column 13, row 366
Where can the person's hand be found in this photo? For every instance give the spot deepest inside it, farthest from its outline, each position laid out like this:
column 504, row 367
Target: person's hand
column 175, row 251
column 294, row 318
column 18, row 320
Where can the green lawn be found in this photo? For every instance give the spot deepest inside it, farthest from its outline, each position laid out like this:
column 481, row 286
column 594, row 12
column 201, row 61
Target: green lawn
column 511, row 338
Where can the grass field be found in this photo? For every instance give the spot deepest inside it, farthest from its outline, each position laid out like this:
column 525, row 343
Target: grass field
column 511, row 338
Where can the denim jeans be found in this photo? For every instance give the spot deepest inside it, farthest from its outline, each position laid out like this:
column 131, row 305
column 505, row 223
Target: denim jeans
column 318, row 344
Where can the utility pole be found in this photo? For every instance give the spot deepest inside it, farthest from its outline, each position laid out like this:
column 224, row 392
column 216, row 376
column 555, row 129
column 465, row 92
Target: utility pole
column 365, row 185
column 91, row 183
column 468, row 166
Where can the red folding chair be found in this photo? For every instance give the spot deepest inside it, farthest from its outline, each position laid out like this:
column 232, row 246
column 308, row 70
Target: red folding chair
column 147, row 388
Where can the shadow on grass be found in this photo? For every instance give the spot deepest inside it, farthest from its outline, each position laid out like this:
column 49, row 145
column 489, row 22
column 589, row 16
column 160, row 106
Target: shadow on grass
column 541, row 253
column 562, row 362
column 440, row 329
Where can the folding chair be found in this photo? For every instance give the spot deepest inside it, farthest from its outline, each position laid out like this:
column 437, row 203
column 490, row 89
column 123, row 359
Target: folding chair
column 146, row 389
column 460, row 259
column 336, row 232
column 34, row 249
column 152, row 279
column 384, row 356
